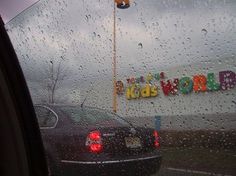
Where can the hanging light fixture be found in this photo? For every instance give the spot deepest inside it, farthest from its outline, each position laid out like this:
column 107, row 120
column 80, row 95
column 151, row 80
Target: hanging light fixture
column 122, row 4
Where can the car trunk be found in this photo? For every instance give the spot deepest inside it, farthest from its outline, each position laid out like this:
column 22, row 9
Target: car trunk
column 127, row 141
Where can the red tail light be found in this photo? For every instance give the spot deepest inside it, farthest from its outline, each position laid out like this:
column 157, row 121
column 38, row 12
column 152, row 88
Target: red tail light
column 94, row 142
column 156, row 139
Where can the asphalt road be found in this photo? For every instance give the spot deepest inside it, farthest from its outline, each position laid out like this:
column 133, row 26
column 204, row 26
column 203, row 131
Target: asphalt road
column 168, row 171
column 183, row 172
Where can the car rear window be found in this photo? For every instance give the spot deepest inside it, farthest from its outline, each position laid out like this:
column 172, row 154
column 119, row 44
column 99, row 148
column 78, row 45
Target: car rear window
column 46, row 118
column 91, row 116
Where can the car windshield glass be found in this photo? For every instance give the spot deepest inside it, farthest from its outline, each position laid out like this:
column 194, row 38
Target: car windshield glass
column 167, row 67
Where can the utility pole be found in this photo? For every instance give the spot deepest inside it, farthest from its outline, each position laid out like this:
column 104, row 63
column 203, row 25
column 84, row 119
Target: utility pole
column 114, row 60
column 121, row 4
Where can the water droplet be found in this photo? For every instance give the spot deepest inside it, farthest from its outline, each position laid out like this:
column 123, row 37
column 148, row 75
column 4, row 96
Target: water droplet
column 140, row 45
column 204, row 31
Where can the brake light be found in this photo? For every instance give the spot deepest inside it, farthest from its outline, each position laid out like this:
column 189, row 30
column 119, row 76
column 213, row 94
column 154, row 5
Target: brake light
column 94, row 142
column 156, row 139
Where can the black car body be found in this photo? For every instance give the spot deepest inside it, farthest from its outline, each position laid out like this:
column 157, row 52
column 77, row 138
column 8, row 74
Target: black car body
column 90, row 141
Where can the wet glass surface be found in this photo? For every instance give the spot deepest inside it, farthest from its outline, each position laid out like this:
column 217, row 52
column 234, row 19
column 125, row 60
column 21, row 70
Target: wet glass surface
column 174, row 71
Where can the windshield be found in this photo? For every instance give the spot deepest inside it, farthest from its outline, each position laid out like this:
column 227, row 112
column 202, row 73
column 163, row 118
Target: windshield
column 166, row 66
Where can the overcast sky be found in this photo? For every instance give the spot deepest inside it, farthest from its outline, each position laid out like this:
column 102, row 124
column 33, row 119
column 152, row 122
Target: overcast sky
column 152, row 35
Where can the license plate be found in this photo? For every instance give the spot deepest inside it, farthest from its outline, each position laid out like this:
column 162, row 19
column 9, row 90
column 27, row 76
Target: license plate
column 132, row 142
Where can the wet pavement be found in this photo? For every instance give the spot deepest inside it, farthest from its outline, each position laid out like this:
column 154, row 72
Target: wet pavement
column 186, row 172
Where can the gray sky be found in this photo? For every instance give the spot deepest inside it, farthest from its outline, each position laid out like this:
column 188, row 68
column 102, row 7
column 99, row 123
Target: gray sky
column 151, row 36
column 171, row 33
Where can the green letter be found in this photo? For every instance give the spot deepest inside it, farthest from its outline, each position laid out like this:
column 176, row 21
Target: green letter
column 211, row 83
column 185, row 85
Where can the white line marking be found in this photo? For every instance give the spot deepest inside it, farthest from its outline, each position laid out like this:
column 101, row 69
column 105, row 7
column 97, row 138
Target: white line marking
column 195, row 172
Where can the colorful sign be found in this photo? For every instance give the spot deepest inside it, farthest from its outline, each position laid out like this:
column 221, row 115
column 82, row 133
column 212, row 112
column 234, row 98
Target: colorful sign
column 144, row 87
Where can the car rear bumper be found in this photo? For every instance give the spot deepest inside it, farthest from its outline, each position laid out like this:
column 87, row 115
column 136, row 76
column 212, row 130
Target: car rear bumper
column 131, row 166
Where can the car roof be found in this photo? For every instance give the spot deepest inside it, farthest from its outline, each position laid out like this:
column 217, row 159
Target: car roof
column 73, row 105
column 56, row 108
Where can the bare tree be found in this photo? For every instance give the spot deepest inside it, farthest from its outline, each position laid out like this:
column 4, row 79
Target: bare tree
column 55, row 75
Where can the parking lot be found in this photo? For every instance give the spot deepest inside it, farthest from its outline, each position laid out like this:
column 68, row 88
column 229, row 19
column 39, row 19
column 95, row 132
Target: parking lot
column 197, row 161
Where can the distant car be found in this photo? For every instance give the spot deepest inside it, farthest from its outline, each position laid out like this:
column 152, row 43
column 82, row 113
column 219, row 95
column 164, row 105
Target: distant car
column 91, row 141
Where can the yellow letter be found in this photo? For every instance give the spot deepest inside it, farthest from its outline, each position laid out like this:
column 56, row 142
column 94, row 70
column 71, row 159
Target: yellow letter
column 154, row 91
column 128, row 93
column 146, row 91
column 135, row 91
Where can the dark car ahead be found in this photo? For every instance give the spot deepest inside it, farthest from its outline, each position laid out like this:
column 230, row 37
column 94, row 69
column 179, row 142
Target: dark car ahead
column 90, row 141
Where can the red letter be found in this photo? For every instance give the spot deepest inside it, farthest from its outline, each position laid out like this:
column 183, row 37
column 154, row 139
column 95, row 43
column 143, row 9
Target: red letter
column 170, row 87
column 199, row 83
